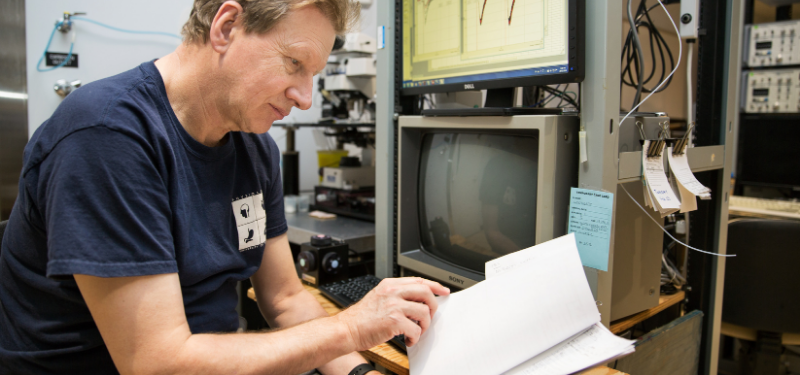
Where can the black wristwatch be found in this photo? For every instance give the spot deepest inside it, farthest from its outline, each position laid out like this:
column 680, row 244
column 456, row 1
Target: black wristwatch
column 361, row 369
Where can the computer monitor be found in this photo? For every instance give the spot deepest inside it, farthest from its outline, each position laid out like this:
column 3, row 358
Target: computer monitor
column 455, row 45
column 767, row 156
column 471, row 189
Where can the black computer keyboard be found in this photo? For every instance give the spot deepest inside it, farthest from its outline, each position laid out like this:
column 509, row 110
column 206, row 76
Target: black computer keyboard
column 347, row 292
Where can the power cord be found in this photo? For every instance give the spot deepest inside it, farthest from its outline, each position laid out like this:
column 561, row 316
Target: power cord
column 632, row 52
column 680, row 55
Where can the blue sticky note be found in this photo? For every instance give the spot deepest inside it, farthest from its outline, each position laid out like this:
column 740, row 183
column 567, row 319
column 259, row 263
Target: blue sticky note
column 590, row 215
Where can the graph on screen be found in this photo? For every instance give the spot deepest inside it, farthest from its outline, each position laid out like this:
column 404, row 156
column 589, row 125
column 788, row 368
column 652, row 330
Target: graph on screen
column 437, row 25
column 459, row 39
column 493, row 27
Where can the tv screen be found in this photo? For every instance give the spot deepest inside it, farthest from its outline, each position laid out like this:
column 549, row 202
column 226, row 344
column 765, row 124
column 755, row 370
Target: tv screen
column 477, row 196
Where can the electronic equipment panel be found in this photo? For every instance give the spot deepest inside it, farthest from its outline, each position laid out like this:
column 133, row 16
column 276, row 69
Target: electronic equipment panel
column 771, row 91
column 772, row 44
column 455, row 45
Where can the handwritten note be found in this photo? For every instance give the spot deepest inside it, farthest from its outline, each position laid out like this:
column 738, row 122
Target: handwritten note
column 590, row 214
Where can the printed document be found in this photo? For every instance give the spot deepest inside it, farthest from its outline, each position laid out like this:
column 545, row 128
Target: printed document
column 532, row 301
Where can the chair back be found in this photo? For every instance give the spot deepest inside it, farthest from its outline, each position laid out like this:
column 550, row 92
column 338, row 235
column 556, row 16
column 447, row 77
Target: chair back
column 762, row 283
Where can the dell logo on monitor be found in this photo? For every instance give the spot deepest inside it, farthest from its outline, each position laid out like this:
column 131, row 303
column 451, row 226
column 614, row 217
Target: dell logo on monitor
column 469, row 86
column 456, row 280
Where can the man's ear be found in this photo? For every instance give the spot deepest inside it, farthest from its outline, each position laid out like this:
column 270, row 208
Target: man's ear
column 223, row 25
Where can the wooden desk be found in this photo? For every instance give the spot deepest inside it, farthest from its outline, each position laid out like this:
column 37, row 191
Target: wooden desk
column 392, row 358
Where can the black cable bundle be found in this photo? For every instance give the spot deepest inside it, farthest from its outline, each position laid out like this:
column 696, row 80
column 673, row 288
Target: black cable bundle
column 632, row 52
column 563, row 96
column 531, row 95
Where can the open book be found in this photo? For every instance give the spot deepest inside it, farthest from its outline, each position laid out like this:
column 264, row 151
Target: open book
column 534, row 314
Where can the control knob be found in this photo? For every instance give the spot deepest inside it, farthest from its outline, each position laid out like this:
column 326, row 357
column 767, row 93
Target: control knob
column 307, row 261
column 332, row 263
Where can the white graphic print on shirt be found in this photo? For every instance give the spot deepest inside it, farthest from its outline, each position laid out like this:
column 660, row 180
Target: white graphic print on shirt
column 251, row 220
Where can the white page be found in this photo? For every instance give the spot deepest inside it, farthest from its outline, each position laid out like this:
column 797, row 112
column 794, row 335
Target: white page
column 590, row 348
column 657, row 183
column 521, row 258
column 688, row 200
column 504, row 321
column 586, row 349
column 679, row 165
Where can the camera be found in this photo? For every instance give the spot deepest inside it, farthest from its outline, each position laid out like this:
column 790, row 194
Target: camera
column 322, row 260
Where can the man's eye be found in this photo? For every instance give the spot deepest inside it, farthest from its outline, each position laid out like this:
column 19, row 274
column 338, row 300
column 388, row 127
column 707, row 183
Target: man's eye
column 295, row 62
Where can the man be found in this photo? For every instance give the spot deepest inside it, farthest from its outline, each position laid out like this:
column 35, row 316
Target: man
column 148, row 195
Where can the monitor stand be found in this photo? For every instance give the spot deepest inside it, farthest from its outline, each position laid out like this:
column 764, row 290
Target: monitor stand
column 500, row 98
column 499, row 102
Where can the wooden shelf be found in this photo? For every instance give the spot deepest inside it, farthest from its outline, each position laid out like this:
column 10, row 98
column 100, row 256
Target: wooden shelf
column 621, row 325
column 750, row 334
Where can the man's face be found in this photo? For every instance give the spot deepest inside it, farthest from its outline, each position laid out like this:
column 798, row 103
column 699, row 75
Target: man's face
column 266, row 75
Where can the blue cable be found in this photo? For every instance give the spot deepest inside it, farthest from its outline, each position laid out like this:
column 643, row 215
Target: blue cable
column 66, row 60
column 72, row 44
column 124, row 30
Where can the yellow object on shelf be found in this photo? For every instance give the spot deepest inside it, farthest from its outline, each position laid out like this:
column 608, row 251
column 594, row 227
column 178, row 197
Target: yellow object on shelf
column 329, row 158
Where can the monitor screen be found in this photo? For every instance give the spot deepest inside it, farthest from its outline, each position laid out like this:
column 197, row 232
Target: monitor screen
column 452, row 45
column 767, row 156
column 477, row 196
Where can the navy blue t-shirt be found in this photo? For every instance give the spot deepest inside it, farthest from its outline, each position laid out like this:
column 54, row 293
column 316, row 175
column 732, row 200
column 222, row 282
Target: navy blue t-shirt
column 112, row 186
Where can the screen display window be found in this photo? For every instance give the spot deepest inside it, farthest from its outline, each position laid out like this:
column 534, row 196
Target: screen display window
column 477, row 196
column 455, row 41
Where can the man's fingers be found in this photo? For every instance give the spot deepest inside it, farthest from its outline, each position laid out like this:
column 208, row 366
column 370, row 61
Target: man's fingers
column 411, row 331
column 419, row 293
column 410, row 302
column 436, row 288
column 418, row 312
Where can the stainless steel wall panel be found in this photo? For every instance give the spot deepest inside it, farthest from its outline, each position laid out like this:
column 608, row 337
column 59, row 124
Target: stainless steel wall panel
column 13, row 100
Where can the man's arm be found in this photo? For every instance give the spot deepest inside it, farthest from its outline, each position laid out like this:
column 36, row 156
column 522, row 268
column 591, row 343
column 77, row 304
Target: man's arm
column 143, row 324
column 284, row 302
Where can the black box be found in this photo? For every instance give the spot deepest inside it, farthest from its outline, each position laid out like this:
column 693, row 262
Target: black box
column 322, row 261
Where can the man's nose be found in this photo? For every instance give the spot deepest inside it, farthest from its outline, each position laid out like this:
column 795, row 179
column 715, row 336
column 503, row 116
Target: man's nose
column 301, row 93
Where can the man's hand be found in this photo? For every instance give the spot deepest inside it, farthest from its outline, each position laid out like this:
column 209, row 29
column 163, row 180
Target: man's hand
column 403, row 306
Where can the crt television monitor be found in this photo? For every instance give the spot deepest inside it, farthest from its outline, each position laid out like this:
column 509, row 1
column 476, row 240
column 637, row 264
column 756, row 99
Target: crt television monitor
column 474, row 189
column 455, row 45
